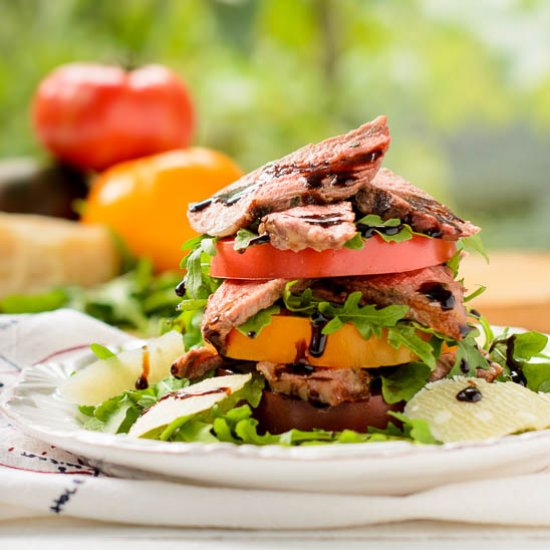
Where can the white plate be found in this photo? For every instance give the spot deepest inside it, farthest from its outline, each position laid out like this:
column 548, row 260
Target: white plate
column 392, row 468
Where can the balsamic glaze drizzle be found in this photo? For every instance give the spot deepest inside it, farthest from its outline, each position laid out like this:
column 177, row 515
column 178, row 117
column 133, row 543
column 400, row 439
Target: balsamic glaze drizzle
column 318, row 342
column 470, row 394
column 436, row 292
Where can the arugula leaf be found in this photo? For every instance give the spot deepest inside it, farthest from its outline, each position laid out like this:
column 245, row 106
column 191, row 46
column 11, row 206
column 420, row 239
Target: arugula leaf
column 356, row 242
column 299, row 303
column 405, row 335
column 537, row 376
column 488, row 333
column 243, row 238
column 519, row 349
column 416, row 429
column 34, row 303
column 404, row 382
column 473, row 243
column 192, row 305
column 468, row 358
column 101, row 352
column 454, row 262
column 529, row 344
column 367, row 319
column 375, row 222
column 198, row 283
column 256, row 323
column 480, row 290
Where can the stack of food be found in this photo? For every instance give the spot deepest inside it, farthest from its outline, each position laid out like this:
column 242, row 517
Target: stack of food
column 333, row 280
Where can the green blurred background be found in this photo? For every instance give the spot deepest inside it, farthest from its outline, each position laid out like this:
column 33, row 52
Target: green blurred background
column 466, row 85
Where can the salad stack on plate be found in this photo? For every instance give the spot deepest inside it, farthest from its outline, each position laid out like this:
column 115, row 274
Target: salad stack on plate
column 322, row 304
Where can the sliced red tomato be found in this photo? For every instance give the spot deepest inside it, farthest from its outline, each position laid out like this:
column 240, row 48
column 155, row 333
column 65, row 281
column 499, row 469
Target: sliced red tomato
column 263, row 261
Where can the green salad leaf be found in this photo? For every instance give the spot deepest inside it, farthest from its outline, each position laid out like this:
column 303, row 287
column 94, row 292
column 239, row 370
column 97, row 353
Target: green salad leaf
column 356, row 242
column 404, row 382
column 469, row 357
column 138, row 299
column 367, row 319
column 243, row 238
column 101, row 352
column 473, row 243
column 406, row 335
column 256, row 323
column 198, row 282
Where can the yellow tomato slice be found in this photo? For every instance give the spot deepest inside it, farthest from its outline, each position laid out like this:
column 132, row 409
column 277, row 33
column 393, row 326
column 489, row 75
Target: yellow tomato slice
column 286, row 339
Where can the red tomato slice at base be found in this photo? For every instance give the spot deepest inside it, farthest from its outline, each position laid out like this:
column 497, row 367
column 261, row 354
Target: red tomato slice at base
column 263, row 261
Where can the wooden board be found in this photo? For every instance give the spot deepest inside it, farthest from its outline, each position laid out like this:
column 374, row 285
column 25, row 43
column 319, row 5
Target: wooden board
column 518, row 288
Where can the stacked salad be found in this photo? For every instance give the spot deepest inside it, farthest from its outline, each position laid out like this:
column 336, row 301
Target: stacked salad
column 322, row 304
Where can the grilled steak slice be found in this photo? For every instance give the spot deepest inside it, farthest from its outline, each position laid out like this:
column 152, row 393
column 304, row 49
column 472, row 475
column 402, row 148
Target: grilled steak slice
column 322, row 227
column 325, row 386
column 327, row 172
column 233, row 303
column 433, row 297
column 196, row 363
column 391, row 196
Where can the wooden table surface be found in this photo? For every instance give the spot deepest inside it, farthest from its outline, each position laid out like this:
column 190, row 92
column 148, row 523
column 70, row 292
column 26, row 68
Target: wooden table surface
column 518, row 288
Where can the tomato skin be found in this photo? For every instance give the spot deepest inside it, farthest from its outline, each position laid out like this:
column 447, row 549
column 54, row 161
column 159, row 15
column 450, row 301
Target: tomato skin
column 264, row 261
column 93, row 116
column 145, row 200
column 278, row 413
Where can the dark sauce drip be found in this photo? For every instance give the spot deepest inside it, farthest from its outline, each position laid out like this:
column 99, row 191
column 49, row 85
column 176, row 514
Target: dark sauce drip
column 182, row 395
column 367, row 231
column 436, row 292
column 464, row 366
column 301, row 369
column 471, row 394
column 198, row 206
column 142, row 383
column 235, row 195
column 180, row 289
column 516, row 369
column 318, row 342
column 301, row 352
column 434, row 232
column 260, row 239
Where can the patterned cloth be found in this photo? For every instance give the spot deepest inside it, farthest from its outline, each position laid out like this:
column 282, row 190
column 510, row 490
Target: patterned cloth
column 37, row 479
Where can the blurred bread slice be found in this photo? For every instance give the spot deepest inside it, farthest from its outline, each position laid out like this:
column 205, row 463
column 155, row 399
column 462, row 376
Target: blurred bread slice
column 38, row 253
column 518, row 288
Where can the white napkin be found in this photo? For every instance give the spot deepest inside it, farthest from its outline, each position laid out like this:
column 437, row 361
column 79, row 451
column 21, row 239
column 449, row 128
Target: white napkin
column 37, row 479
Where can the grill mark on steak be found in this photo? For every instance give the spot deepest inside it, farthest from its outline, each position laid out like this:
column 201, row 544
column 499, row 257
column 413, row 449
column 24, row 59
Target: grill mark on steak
column 321, row 386
column 318, row 227
column 322, row 173
column 409, row 289
column 233, row 303
column 391, row 196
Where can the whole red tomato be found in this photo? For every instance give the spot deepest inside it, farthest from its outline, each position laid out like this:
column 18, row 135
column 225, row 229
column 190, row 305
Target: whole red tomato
column 93, row 116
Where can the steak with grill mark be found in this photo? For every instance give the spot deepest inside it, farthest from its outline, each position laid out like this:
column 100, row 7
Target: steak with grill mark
column 391, row 196
column 233, row 303
column 325, row 386
column 323, row 173
column 326, row 227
